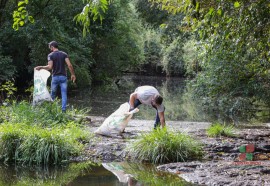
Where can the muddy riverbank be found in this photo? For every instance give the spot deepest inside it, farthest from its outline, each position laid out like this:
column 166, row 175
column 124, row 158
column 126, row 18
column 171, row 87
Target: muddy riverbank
column 223, row 163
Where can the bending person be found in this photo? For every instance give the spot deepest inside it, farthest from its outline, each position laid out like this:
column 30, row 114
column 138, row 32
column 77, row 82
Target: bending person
column 149, row 95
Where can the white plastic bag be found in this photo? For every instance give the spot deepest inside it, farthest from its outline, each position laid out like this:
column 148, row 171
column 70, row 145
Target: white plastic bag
column 41, row 92
column 117, row 121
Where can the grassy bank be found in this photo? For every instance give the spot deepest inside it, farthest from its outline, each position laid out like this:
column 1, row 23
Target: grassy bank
column 40, row 134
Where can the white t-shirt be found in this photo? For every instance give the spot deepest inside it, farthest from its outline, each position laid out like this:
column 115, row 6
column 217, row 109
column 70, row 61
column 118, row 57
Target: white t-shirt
column 146, row 94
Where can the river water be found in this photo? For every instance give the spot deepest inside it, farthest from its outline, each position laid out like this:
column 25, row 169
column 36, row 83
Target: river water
column 104, row 100
column 88, row 174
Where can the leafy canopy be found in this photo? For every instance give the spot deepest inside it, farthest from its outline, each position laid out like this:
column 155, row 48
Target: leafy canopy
column 94, row 9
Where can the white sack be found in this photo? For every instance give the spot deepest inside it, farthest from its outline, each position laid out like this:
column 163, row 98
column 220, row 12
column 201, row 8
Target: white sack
column 41, row 92
column 117, row 121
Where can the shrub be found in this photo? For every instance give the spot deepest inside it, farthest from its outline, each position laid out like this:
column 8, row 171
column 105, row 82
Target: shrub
column 161, row 146
column 220, row 130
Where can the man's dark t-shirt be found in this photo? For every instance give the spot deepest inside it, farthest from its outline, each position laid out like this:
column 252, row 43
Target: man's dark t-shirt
column 58, row 59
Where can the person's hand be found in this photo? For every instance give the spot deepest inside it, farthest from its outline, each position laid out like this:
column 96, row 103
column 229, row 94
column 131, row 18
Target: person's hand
column 38, row 67
column 73, row 78
column 131, row 109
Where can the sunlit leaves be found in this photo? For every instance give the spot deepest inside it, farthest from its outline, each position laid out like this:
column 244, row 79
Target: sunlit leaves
column 21, row 15
column 94, row 9
column 9, row 89
column 236, row 4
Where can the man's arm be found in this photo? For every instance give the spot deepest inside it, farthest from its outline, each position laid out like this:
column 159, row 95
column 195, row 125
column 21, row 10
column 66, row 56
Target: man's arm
column 162, row 119
column 132, row 99
column 47, row 67
column 71, row 70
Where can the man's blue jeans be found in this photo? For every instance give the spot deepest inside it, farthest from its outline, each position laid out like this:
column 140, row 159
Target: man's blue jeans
column 157, row 121
column 62, row 82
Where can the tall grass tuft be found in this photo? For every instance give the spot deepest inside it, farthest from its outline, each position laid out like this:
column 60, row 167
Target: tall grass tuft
column 36, row 145
column 217, row 129
column 40, row 134
column 163, row 146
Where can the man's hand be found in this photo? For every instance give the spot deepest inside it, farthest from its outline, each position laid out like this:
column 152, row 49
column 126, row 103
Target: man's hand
column 38, row 67
column 73, row 78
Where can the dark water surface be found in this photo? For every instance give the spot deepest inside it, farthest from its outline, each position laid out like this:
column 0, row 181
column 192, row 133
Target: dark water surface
column 88, row 174
column 104, row 100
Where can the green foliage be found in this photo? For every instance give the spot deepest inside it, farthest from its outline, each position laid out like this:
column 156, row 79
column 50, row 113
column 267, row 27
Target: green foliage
column 190, row 57
column 233, row 56
column 40, row 134
column 7, row 91
column 172, row 61
column 21, row 15
column 161, row 146
column 118, row 46
column 94, row 9
column 217, row 129
column 166, row 51
column 150, row 14
column 152, row 52
column 7, row 70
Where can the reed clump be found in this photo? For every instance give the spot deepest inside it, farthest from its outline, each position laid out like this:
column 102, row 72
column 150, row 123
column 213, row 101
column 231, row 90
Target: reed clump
column 40, row 134
column 217, row 129
column 163, row 146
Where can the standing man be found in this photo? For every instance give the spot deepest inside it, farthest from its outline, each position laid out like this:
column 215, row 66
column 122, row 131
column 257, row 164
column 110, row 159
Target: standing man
column 56, row 62
column 149, row 95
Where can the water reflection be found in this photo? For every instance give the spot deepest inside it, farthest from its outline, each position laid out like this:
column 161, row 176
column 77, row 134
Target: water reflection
column 104, row 100
column 14, row 175
column 134, row 174
column 88, row 173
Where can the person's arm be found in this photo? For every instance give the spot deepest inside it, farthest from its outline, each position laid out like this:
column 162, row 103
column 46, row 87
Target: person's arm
column 71, row 70
column 132, row 99
column 47, row 67
column 162, row 119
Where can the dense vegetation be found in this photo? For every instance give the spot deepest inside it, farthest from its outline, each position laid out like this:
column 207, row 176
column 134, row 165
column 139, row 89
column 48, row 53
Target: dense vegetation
column 232, row 47
column 40, row 135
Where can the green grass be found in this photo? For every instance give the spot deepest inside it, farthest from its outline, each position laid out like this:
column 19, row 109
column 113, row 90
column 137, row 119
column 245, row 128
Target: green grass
column 47, row 114
column 162, row 146
column 36, row 145
column 40, row 134
column 217, row 129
